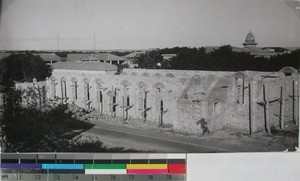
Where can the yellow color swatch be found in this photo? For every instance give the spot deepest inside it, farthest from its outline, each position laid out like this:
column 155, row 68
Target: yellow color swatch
column 146, row 166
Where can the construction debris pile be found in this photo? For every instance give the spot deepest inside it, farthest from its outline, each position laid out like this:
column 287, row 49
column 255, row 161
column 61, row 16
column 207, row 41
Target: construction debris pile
column 87, row 115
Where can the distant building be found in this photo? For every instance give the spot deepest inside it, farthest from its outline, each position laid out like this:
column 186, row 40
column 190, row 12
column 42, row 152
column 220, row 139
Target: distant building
column 250, row 46
column 100, row 67
column 278, row 50
column 97, row 57
column 250, row 40
column 134, row 55
column 49, row 58
column 168, row 56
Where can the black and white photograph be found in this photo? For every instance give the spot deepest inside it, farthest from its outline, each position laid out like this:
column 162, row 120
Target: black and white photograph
column 149, row 76
column 149, row 90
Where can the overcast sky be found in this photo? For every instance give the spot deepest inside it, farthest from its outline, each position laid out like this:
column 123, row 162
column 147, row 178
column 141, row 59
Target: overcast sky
column 141, row 24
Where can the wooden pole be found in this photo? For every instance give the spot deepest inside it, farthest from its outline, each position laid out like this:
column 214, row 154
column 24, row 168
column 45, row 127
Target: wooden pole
column 101, row 101
column 267, row 109
column 297, row 102
column 282, row 105
column 62, row 91
column 243, row 91
column 40, row 97
column 123, row 108
column 250, row 112
column 112, row 103
column 98, row 100
column 294, row 98
column 161, row 113
column 145, row 106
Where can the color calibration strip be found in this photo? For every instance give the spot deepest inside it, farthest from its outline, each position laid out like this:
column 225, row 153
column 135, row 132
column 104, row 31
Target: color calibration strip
column 76, row 165
column 143, row 169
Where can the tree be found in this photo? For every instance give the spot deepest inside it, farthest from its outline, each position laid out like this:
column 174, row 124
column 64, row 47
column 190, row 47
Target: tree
column 49, row 128
column 149, row 60
column 121, row 67
column 23, row 67
column 31, row 129
column 292, row 59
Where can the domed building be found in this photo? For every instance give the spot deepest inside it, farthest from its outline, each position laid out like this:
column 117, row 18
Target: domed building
column 250, row 47
column 250, row 40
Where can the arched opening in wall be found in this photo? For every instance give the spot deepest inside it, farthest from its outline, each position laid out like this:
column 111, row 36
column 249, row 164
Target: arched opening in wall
column 74, row 88
column 146, row 74
column 99, row 92
column 217, row 109
column 63, row 85
column 159, row 102
column 87, row 95
column 133, row 74
column 240, row 87
column 170, row 75
column 157, row 75
column 142, row 100
column 53, row 86
column 125, row 99
column 289, row 71
column 113, row 101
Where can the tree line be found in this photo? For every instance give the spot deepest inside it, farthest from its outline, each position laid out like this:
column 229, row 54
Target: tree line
column 220, row 59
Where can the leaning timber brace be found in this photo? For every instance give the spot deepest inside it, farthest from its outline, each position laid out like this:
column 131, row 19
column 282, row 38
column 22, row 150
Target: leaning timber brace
column 145, row 107
column 265, row 104
column 162, row 112
column 100, row 93
column 126, row 108
column 113, row 101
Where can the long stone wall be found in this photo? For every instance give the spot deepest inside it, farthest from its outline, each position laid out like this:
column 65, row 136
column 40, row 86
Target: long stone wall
column 158, row 89
column 190, row 101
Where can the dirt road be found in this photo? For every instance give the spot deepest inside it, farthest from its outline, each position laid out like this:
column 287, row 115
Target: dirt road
column 161, row 141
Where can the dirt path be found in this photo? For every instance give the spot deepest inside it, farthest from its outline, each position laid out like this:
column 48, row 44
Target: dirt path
column 166, row 140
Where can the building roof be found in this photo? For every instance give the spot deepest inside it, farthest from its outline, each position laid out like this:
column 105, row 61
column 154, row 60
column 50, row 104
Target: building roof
column 90, row 66
column 93, row 57
column 253, row 50
column 258, row 51
column 47, row 56
column 209, row 49
column 169, row 55
column 276, row 49
column 133, row 54
column 3, row 55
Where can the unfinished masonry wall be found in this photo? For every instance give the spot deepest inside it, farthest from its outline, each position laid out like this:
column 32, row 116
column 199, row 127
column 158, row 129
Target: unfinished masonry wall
column 282, row 95
column 238, row 101
column 187, row 100
column 120, row 92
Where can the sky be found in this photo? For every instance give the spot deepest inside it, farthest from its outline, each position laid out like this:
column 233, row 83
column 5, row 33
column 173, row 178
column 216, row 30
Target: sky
column 143, row 24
